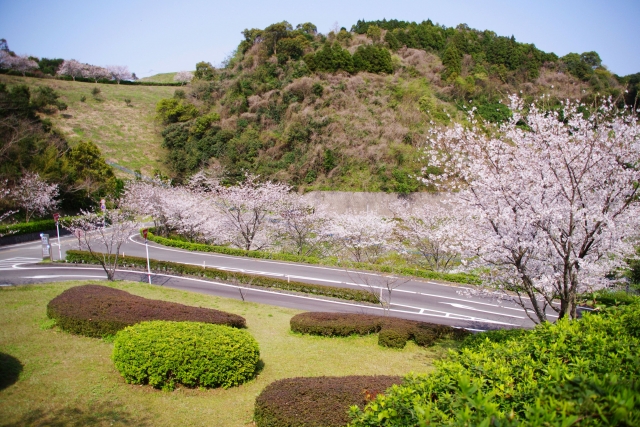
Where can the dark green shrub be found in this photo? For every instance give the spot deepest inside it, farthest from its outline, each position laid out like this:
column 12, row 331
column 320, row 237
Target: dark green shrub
column 393, row 337
column 394, row 332
column 574, row 372
column 374, row 59
column 213, row 273
column 318, row 401
column 164, row 354
column 28, row 227
column 98, row 311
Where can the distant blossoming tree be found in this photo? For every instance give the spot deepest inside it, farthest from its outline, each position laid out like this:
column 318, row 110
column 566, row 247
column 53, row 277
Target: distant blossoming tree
column 103, row 234
column 119, row 72
column 34, row 195
column 183, row 77
column 364, row 237
column 71, row 68
column 552, row 199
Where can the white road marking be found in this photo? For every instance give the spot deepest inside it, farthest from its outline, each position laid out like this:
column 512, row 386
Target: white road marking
column 466, row 307
column 430, row 313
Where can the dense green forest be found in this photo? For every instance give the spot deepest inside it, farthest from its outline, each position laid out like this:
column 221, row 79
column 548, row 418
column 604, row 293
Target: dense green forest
column 349, row 110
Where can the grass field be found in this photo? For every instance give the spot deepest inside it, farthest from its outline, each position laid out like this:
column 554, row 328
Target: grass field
column 160, row 78
column 70, row 380
column 127, row 135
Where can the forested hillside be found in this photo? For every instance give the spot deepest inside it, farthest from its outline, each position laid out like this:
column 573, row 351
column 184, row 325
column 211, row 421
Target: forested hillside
column 349, row 110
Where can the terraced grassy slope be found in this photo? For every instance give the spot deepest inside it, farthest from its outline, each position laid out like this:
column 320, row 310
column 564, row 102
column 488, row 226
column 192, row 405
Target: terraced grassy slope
column 127, row 135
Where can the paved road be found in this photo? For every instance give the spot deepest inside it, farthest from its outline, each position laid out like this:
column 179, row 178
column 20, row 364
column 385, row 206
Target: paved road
column 417, row 299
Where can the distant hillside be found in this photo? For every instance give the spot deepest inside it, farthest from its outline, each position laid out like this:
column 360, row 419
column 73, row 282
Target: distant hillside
column 350, row 110
column 127, row 135
column 159, row 78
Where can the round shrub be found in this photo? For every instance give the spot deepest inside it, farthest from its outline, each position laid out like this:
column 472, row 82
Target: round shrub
column 393, row 337
column 317, row 401
column 424, row 335
column 164, row 354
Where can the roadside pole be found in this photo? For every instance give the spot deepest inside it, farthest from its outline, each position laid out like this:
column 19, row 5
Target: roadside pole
column 56, row 217
column 146, row 246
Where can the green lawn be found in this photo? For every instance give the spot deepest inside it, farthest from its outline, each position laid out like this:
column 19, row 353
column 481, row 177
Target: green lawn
column 127, row 135
column 160, row 78
column 70, row 380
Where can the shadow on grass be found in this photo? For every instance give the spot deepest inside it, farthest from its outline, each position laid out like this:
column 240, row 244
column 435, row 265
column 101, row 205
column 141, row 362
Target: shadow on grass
column 103, row 414
column 10, row 369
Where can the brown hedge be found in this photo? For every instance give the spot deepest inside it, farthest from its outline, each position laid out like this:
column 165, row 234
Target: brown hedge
column 98, row 311
column 317, row 401
column 393, row 331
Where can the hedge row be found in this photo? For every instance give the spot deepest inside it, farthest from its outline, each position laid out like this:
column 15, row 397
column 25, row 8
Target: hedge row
column 28, row 227
column 468, row 279
column 98, row 311
column 317, row 401
column 392, row 331
column 164, row 354
column 213, row 273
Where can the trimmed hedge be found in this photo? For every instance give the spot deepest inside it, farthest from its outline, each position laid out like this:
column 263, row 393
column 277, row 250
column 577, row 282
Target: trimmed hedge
column 164, row 354
column 27, row 227
column 98, row 311
column 317, row 401
column 213, row 273
column 468, row 279
column 393, row 331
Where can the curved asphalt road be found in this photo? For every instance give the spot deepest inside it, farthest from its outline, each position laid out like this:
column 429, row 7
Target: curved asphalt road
column 415, row 299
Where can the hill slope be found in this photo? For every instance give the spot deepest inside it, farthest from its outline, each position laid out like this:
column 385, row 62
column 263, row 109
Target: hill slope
column 127, row 135
column 350, row 111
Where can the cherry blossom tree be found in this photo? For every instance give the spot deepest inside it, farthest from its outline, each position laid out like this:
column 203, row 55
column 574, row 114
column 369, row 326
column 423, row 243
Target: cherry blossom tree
column 95, row 72
column 22, row 64
column 364, row 237
column 431, row 231
column 301, row 227
column 246, row 208
column 119, row 72
column 5, row 194
column 149, row 198
column 183, row 77
column 103, row 234
column 552, row 199
column 34, row 195
column 71, row 68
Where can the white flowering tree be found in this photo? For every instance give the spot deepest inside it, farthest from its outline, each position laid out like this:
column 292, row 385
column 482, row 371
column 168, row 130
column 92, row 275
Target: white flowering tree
column 183, row 77
column 119, row 72
column 34, row 196
column 71, row 68
column 433, row 232
column 246, row 208
column 300, row 227
column 22, row 64
column 5, row 193
column 103, row 234
column 95, row 72
column 364, row 237
column 552, row 199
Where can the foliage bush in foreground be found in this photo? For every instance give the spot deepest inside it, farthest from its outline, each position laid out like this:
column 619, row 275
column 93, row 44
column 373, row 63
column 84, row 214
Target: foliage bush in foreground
column 316, row 401
column 583, row 372
column 98, row 311
column 393, row 332
column 213, row 273
column 164, row 354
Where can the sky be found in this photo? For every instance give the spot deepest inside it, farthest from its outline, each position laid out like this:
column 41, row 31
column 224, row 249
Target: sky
column 161, row 36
